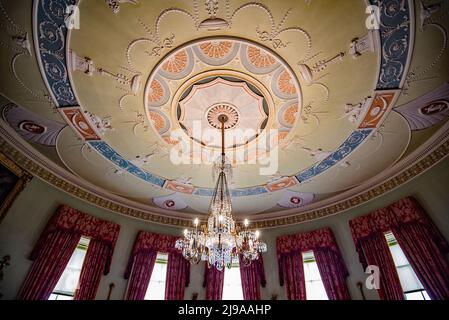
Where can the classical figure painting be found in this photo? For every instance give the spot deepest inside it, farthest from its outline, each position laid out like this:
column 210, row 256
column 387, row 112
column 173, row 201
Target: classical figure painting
column 12, row 181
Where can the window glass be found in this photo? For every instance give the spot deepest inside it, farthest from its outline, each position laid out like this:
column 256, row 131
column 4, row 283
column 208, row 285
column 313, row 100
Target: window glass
column 412, row 287
column 232, row 286
column 314, row 285
column 156, row 287
column 68, row 283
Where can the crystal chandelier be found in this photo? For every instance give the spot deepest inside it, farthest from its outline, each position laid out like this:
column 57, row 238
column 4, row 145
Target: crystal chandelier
column 221, row 241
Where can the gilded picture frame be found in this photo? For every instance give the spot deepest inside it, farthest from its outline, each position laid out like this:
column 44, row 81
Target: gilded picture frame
column 13, row 180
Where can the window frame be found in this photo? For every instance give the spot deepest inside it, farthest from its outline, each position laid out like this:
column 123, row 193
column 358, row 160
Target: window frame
column 309, row 257
column 163, row 261
column 391, row 242
column 82, row 245
column 234, row 265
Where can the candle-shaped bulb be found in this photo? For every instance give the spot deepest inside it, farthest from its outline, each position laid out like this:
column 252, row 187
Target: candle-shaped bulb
column 195, row 222
column 257, row 234
column 185, row 232
column 246, row 222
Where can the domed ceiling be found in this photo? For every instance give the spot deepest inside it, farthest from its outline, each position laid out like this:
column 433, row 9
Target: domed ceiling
column 119, row 100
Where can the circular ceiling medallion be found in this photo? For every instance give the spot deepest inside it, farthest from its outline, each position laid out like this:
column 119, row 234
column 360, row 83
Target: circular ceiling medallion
column 216, row 111
column 435, row 107
column 32, row 127
column 195, row 83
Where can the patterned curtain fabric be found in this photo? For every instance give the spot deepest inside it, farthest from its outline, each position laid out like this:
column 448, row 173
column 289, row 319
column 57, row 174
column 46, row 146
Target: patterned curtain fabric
column 142, row 260
column 92, row 270
column 56, row 245
column 419, row 238
column 426, row 257
column 252, row 276
column 140, row 275
column 377, row 253
column 330, row 263
column 213, row 282
column 426, row 260
column 333, row 273
column 178, row 276
column 292, row 274
column 49, row 265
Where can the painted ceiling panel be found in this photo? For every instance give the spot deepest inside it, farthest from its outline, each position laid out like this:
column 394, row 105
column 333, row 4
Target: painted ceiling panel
column 327, row 107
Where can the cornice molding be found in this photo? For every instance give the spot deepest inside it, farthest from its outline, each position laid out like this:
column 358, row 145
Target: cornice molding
column 429, row 154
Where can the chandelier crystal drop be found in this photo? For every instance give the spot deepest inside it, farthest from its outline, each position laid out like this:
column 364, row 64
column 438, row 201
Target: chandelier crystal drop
column 221, row 241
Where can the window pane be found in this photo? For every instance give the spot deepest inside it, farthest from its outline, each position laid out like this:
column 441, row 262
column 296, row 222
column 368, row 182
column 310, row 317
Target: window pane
column 156, row 287
column 59, row 297
column 68, row 282
column 409, row 281
column 417, row 295
column 398, row 256
column 407, row 276
column 232, row 286
column 314, row 285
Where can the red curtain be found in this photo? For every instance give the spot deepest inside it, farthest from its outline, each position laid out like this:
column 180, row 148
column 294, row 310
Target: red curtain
column 333, row 273
column 92, row 270
column 56, row 245
column 49, row 265
column 330, row 263
column 142, row 260
column 140, row 275
column 178, row 276
column 213, row 282
column 252, row 276
column 419, row 238
column 426, row 257
column 292, row 274
column 377, row 253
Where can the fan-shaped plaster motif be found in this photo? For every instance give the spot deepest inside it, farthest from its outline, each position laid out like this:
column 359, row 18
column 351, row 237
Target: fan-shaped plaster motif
column 284, row 84
column 427, row 110
column 178, row 65
column 32, row 126
column 157, row 93
column 216, row 52
column 257, row 60
column 288, row 114
column 160, row 121
column 205, row 101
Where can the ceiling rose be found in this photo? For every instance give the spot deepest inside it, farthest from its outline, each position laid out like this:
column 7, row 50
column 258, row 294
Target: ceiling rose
column 252, row 85
column 214, row 113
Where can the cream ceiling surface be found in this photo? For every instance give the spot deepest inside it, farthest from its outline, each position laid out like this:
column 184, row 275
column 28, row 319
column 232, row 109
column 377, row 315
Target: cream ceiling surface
column 105, row 88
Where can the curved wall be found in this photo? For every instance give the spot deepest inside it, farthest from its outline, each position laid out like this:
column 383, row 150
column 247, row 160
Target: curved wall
column 34, row 206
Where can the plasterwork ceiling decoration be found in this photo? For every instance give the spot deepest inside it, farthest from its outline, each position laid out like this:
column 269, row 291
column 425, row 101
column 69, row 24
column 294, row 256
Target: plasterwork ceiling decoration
column 344, row 104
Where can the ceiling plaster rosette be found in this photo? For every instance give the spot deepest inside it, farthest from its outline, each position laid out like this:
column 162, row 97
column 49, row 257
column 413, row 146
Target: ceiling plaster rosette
column 242, row 84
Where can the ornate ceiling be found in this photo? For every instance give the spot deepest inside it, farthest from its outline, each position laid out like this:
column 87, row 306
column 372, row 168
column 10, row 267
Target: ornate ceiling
column 110, row 96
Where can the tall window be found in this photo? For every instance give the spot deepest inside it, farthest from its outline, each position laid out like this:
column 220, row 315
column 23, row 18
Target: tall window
column 314, row 285
column 156, row 288
column 68, row 283
column 412, row 287
column 232, row 286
